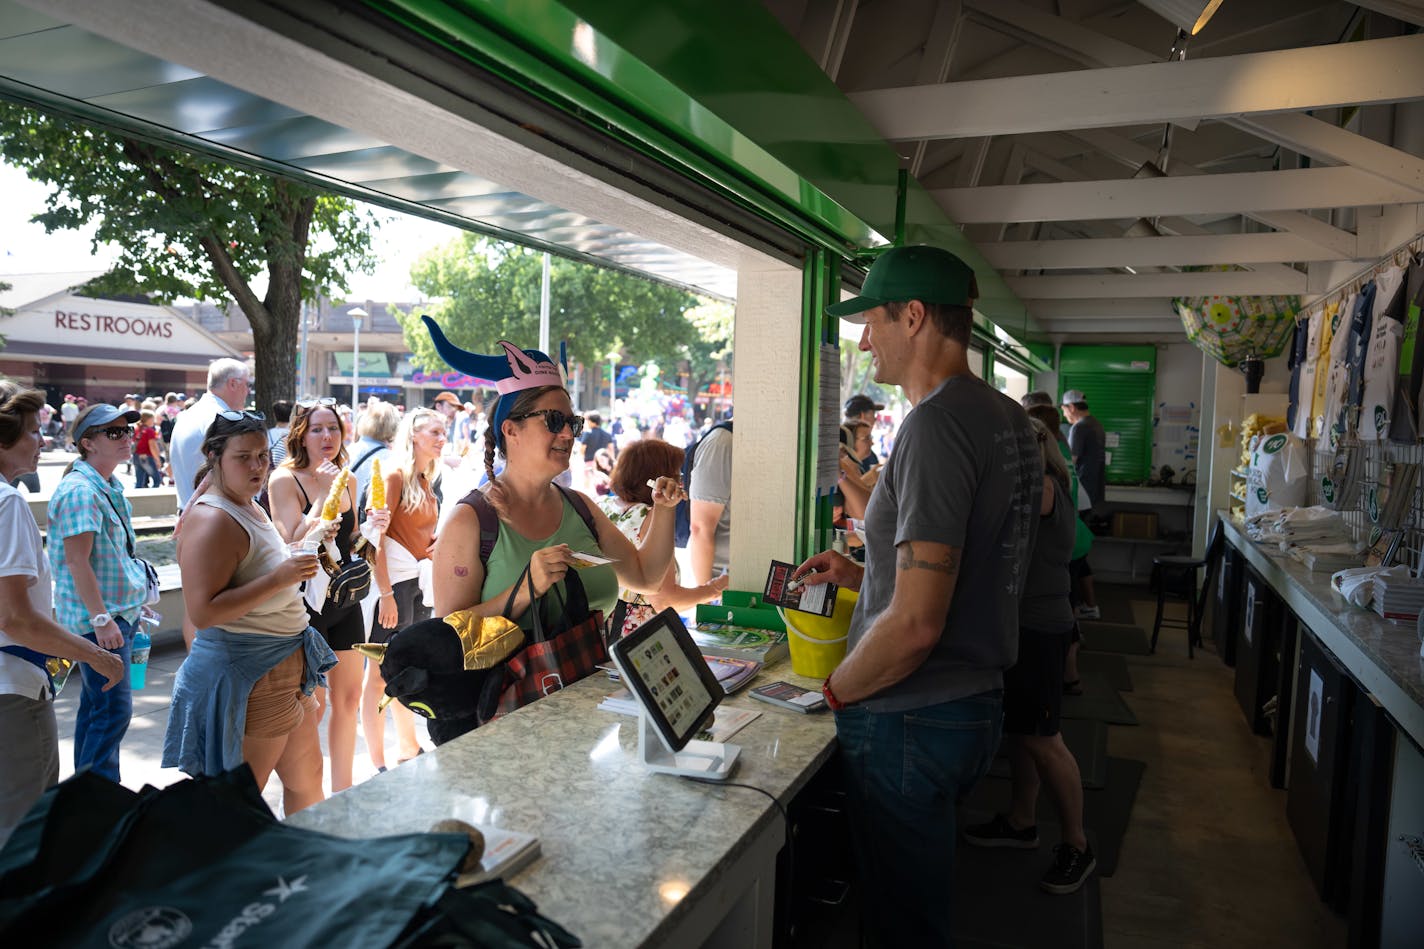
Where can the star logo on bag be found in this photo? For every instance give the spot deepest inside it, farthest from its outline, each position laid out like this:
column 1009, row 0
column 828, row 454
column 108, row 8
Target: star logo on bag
column 283, row 889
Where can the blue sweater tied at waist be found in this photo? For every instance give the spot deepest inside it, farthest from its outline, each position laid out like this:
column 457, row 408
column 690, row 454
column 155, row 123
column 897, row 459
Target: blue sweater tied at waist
column 209, row 713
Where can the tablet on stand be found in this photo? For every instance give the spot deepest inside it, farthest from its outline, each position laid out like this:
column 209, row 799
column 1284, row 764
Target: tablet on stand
column 677, row 695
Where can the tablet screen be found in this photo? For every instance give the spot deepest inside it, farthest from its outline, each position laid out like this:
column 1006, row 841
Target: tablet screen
column 662, row 666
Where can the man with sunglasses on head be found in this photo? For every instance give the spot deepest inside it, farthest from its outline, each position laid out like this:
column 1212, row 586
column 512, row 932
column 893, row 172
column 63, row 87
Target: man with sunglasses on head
column 228, row 388
column 100, row 587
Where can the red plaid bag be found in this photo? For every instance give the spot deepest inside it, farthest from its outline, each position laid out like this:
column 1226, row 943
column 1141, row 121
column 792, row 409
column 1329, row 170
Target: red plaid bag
column 547, row 664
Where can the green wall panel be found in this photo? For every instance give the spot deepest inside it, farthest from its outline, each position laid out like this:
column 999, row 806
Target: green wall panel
column 1120, row 384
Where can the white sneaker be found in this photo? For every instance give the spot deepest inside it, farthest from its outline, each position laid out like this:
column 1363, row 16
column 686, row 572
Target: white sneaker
column 1087, row 612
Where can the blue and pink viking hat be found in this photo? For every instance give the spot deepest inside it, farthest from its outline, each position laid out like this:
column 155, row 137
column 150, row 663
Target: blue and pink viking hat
column 512, row 372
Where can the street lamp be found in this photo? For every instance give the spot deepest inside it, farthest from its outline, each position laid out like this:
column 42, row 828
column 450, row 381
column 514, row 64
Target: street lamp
column 358, row 316
column 612, row 380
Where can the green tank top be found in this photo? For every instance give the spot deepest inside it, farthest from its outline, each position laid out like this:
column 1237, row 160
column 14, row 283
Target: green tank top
column 512, row 551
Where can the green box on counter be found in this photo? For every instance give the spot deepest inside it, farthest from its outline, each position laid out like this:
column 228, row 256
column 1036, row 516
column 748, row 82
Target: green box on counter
column 742, row 608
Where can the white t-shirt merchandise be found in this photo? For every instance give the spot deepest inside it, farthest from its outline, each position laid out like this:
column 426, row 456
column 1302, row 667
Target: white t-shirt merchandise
column 22, row 555
column 1381, row 359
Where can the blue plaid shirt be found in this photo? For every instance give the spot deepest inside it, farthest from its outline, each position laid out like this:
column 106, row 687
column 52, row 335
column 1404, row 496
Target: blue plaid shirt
column 79, row 506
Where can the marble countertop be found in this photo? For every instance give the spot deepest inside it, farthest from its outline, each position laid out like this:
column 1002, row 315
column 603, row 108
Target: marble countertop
column 625, row 853
column 1383, row 656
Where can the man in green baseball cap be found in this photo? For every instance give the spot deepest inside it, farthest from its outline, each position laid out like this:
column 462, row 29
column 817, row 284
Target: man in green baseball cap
column 949, row 529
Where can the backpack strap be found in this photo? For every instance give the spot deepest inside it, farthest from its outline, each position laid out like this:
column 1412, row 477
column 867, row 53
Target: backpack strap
column 489, row 519
column 578, row 503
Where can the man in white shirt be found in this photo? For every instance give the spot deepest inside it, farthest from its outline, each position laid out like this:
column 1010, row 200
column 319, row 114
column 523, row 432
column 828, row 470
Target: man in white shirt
column 228, row 387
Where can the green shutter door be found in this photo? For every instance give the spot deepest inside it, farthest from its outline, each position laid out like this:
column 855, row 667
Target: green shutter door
column 1119, row 383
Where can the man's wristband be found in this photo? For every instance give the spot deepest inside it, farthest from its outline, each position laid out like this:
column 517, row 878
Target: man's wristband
column 835, row 704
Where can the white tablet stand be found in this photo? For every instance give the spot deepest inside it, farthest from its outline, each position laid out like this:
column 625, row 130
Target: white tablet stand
column 710, row 760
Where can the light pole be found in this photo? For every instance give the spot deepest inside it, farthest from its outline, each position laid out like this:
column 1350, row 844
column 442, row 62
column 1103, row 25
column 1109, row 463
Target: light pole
column 358, row 316
column 612, row 382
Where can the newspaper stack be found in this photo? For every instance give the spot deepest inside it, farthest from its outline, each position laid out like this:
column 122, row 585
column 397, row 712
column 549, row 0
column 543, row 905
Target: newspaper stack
column 1399, row 599
column 1329, row 557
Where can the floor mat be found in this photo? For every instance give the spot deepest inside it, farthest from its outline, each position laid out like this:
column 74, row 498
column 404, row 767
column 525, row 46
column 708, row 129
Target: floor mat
column 1113, row 637
column 1099, row 701
column 1110, row 665
column 997, row 902
column 1087, row 739
column 1107, row 811
column 1115, row 602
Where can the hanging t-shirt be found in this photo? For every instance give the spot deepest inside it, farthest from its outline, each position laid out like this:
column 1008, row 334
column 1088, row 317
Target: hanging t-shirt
column 1360, row 325
column 1404, row 418
column 1332, row 421
column 1381, row 364
column 1328, row 320
column 1305, row 411
column 1296, row 362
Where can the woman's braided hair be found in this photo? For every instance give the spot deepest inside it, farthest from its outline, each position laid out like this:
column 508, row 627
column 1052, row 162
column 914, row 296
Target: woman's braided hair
column 17, row 404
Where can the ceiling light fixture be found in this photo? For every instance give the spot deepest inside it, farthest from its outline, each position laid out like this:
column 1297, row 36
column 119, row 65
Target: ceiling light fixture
column 1187, row 15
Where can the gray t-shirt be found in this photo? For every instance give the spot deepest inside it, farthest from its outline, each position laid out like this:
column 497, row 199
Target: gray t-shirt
column 966, row 472
column 1044, row 606
column 1088, row 442
column 712, row 481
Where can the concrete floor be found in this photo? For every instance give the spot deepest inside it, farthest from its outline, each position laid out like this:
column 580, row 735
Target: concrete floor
column 1208, row 860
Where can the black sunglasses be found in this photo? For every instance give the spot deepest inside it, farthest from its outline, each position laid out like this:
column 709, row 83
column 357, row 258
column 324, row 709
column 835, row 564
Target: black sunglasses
column 232, row 415
column 554, row 420
column 325, row 402
column 115, row 434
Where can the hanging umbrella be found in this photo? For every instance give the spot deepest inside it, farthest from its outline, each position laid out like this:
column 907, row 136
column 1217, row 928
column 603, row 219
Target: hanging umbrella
column 1230, row 328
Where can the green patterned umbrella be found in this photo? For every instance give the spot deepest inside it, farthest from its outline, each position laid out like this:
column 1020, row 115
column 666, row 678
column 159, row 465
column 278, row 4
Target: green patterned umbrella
column 1229, row 328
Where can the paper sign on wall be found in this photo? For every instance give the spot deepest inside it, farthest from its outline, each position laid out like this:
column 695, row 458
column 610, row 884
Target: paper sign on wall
column 1112, row 439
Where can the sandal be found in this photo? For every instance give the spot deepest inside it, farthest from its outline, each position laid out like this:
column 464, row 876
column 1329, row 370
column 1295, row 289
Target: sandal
column 1073, row 687
column 404, row 760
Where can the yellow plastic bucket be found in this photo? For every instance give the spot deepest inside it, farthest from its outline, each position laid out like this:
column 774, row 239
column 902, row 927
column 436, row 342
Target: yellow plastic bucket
column 818, row 643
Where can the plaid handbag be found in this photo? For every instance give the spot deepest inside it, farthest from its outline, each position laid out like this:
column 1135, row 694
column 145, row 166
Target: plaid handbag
column 548, row 663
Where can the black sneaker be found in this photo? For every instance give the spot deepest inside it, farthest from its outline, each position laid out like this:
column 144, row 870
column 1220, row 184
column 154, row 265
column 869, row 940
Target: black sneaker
column 1071, row 867
column 1000, row 833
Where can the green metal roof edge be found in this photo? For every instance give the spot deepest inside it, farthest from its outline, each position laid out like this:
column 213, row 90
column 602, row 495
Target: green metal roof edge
column 686, row 82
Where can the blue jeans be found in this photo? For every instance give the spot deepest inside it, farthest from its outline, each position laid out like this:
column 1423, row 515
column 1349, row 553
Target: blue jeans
column 905, row 772
column 103, row 717
column 146, row 472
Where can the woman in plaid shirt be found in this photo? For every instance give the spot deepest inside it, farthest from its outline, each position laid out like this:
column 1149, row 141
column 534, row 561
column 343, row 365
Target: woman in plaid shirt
column 99, row 589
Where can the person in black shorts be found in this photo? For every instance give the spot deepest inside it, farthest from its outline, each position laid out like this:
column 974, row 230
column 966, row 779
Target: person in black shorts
column 1033, row 695
column 297, row 490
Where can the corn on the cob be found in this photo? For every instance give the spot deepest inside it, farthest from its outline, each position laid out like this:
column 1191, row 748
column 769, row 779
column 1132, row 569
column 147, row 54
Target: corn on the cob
column 378, row 486
column 331, row 510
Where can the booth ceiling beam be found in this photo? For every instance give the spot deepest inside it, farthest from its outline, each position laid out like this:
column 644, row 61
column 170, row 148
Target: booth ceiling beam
column 1410, row 11
column 1243, row 192
column 1212, row 283
column 1363, row 73
column 1323, row 141
column 1155, row 252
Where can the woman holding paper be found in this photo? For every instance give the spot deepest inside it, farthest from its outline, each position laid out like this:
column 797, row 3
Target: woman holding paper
column 255, row 660
column 300, row 490
column 541, row 526
column 408, row 489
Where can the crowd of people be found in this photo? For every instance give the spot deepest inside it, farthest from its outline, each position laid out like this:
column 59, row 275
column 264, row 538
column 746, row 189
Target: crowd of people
column 276, row 513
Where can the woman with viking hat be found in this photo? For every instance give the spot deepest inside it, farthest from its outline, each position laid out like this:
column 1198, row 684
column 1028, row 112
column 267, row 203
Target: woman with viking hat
column 541, row 525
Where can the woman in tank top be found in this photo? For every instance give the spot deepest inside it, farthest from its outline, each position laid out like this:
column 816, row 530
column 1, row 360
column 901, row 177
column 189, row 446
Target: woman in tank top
column 410, row 477
column 316, row 453
column 534, row 428
column 244, row 694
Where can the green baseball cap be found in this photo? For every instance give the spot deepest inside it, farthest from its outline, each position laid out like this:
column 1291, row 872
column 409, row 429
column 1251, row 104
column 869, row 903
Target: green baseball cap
column 924, row 273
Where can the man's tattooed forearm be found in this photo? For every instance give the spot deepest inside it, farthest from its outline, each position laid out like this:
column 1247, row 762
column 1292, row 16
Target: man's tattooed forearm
column 906, row 560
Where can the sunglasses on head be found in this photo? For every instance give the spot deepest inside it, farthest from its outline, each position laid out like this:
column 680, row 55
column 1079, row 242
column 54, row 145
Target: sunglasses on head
column 306, row 405
column 232, row 415
column 554, row 420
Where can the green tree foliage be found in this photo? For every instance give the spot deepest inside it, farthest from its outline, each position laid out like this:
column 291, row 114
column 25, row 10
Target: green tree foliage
column 486, row 291
column 192, row 227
